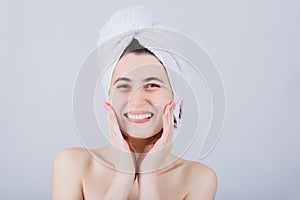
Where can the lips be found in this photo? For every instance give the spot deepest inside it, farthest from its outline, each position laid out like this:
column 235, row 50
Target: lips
column 138, row 116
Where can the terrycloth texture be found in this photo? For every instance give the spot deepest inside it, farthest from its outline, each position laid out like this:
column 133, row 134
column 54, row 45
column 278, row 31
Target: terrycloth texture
column 140, row 24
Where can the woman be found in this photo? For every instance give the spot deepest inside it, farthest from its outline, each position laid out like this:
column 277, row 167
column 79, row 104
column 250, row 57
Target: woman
column 141, row 122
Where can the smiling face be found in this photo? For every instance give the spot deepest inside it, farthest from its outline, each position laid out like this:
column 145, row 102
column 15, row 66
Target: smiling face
column 139, row 91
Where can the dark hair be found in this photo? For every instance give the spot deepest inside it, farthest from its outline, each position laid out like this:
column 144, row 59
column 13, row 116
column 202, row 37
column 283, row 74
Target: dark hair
column 136, row 48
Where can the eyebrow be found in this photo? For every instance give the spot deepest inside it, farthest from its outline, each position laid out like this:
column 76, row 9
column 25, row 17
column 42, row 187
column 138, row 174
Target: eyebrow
column 122, row 79
column 153, row 78
column 145, row 80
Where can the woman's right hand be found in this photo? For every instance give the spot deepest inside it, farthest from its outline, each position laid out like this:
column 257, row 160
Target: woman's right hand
column 124, row 158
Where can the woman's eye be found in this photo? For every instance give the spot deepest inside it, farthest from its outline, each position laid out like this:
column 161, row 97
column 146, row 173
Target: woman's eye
column 152, row 85
column 123, row 86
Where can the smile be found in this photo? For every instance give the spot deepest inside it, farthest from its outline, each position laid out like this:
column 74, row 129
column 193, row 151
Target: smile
column 139, row 117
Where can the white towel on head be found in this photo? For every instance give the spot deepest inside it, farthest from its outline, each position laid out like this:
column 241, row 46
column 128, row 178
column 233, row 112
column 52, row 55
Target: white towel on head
column 141, row 24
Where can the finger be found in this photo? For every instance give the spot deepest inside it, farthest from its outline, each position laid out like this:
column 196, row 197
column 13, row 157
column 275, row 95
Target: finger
column 109, row 121
column 116, row 127
column 117, row 136
column 169, row 123
column 113, row 118
column 166, row 123
column 114, row 130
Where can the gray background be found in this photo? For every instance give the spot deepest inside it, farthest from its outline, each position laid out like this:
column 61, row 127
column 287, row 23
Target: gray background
column 255, row 44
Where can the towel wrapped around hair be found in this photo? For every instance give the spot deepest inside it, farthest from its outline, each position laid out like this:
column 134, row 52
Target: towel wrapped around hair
column 140, row 24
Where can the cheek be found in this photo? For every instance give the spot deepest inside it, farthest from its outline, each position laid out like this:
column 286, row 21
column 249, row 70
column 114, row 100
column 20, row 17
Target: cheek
column 162, row 98
column 118, row 102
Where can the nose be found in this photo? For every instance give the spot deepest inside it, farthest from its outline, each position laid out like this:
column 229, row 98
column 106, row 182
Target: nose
column 137, row 98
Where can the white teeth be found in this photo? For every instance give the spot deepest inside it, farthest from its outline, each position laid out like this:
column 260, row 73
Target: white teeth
column 143, row 116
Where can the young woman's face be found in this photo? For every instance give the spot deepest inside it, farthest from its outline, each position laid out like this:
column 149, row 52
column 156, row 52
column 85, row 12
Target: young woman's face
column 139, row 91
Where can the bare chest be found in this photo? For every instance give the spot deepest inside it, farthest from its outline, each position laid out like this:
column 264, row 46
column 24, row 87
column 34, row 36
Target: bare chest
column 97, row 184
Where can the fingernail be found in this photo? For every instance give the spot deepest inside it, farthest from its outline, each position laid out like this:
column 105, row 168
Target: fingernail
column 174, row 105
column 106, row 106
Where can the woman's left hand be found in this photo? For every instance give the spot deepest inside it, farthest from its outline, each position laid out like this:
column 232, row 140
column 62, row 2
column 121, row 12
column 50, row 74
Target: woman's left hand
column 155, row 153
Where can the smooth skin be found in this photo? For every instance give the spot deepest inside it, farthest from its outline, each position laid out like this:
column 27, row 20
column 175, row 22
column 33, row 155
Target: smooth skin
column 134, row 167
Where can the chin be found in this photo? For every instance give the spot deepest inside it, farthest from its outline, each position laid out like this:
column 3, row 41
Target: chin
column 140, row 133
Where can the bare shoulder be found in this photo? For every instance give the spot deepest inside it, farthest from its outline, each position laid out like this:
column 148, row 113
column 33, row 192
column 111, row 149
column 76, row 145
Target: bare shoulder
column 201, row 180
column 72, row 158
column 69, row 166
column 200, row 171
